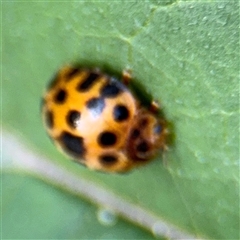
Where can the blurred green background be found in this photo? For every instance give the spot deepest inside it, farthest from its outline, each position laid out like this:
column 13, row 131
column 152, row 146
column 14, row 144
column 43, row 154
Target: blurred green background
column 185, row 54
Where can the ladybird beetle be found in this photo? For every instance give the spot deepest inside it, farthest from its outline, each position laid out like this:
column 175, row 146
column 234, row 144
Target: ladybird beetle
column 96, row 120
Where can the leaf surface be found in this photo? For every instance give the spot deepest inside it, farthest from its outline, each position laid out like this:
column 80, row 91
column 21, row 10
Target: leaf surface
column 185, row 54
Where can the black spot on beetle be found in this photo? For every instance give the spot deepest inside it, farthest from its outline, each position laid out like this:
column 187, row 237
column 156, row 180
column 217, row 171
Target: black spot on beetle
column 72, row 73
column 96, row 105
column 72, row 144
column 60, row 96
column 73, row 118
column 135, row 133
column 88, row 82
column 108, row 159
column 120, row 113
column 111, row 89
column 142, row 147
column 107, row 139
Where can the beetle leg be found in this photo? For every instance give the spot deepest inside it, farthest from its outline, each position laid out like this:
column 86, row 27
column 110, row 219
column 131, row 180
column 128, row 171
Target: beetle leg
column 126, row 77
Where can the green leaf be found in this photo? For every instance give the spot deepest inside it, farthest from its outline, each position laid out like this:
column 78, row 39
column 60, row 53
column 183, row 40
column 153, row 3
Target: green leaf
column 184, row 53
column 31, row 209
